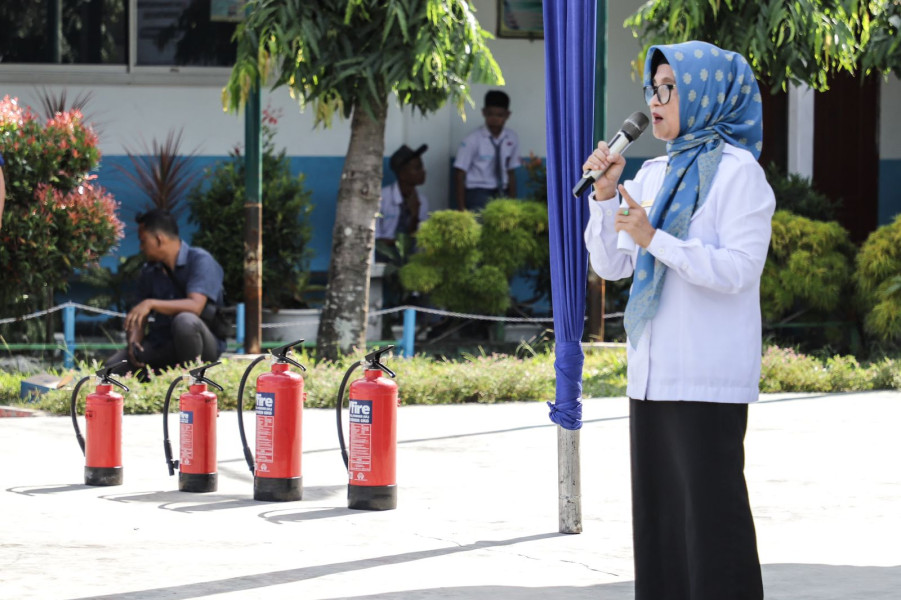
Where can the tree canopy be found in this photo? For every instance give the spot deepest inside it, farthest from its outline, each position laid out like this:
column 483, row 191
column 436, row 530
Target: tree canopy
column 341, row 54
column 785, row 41
column 346, row 57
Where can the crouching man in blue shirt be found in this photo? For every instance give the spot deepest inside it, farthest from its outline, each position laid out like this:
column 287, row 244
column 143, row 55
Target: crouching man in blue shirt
column 181, row 287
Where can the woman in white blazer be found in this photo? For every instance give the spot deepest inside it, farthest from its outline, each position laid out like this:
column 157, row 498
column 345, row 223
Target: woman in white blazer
column 693, row 318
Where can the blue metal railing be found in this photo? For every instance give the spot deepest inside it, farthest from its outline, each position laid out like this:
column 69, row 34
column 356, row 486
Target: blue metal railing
column 406, row 343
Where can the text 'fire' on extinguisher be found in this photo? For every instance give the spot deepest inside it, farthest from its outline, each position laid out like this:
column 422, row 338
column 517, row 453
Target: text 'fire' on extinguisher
column 372, row 408
column 277, row 475
column 198, row 411
column 103, row 428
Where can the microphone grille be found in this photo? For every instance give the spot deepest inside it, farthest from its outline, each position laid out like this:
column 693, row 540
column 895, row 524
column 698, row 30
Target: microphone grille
column 635, row 125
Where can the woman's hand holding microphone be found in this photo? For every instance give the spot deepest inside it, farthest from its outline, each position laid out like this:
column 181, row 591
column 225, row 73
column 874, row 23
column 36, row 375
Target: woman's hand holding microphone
column 631, row 217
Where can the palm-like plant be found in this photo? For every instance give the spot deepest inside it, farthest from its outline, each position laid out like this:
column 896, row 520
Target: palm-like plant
column 162, row 172
column 53, row 103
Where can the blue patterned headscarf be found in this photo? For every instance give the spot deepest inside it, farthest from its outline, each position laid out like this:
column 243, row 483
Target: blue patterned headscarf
column 719, row 103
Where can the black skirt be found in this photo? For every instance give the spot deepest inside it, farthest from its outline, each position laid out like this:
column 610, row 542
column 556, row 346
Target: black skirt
column 693, row 532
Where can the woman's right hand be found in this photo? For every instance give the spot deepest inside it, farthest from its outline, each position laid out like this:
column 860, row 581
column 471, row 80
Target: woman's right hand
column 603, row 158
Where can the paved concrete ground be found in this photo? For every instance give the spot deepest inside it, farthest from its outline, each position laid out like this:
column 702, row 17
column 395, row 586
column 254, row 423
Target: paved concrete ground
column 477, row 514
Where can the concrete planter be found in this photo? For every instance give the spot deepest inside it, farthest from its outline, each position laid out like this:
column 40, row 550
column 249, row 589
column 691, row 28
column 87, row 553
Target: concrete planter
column 298, row 323
column 521, row 332
column 304, row 322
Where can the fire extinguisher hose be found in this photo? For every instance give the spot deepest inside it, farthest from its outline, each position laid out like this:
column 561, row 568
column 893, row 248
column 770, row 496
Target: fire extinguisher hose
column 341, row 390
column 167, row 447
column 248, row 454
column 74, row 414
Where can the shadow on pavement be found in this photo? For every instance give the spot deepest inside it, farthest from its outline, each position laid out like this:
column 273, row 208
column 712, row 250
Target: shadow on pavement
column 781, row 581
column 261, row 581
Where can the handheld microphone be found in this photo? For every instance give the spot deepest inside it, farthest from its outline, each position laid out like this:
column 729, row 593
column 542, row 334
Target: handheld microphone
column 628, row 133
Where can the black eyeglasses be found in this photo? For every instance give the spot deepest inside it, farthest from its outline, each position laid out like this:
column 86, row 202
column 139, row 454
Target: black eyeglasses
column 664, row 92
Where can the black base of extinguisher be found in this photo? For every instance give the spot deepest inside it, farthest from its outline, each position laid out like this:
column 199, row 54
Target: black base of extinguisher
column 198, row 482
column 372, row 497
column 277, row 489
column 103, row 475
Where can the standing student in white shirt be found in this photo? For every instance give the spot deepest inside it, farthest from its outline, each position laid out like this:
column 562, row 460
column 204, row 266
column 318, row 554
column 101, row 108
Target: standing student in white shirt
column 693, row 319
column 484, row 167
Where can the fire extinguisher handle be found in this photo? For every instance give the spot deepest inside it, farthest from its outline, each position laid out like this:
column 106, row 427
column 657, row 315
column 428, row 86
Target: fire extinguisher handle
column 105, row 375
column 199, row 374
column 212, row 383
column 291, row 361
column 374, row 360
column 281, row 354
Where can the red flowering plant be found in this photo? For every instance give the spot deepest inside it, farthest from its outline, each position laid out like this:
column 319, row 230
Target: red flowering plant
column 57, row 219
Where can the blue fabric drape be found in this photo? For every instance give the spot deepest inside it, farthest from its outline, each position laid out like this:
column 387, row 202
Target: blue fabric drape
column 569, row 41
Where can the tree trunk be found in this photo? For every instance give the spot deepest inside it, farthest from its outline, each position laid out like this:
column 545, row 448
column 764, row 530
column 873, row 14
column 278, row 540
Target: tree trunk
column 342, row 327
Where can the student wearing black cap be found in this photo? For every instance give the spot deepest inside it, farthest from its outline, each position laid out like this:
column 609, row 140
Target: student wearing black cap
column 485, row 163
column 403, row 207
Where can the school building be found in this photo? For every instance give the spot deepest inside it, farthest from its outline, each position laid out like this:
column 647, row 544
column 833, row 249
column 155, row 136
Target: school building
column 148, row 77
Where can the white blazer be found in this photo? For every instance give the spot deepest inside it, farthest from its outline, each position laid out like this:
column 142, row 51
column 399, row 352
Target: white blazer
column 704, row 343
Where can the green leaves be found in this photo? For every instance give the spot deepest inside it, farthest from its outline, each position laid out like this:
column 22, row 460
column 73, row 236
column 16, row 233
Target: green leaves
column 797, row 41
column 57, row 219
column 878, row 282
column 338, row 55
column 217, row 207
column 808, row 267
column 465, row 265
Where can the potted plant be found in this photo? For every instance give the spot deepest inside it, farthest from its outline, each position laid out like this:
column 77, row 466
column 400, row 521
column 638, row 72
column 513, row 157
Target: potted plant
column 217, row 207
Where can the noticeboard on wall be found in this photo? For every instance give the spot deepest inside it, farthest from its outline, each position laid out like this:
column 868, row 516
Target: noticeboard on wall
column 227, row 10
column 520, row 19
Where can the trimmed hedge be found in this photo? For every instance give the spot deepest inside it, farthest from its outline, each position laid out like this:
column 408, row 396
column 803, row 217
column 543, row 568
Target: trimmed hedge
column 483, row 378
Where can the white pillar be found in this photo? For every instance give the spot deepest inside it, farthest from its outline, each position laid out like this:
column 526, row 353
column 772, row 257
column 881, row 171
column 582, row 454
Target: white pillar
column 800, row 130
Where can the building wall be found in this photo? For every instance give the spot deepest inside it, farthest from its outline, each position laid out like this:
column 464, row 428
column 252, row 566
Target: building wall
column 889, row 150
column 131, row 111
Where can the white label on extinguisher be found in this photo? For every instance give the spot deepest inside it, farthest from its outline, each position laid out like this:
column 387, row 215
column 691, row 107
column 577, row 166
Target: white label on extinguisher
column 360, row 436
column 265, row 429
column 186, row 418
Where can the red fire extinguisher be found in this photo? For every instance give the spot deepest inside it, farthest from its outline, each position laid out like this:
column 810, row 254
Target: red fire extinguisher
column 198, row 410
column 372, row 408
column 103, row 427
column 279, row 410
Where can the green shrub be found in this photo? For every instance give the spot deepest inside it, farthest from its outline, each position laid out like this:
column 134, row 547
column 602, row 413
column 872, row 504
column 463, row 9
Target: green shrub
column 795, row 193
column 421, row 380
column 57, row 218
column 808, row 266
column 807, row 280
column 451, row 269
column 787, row 370
column 218, row 210
column 466, row 265
column 475, row 378
column 878, row 279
